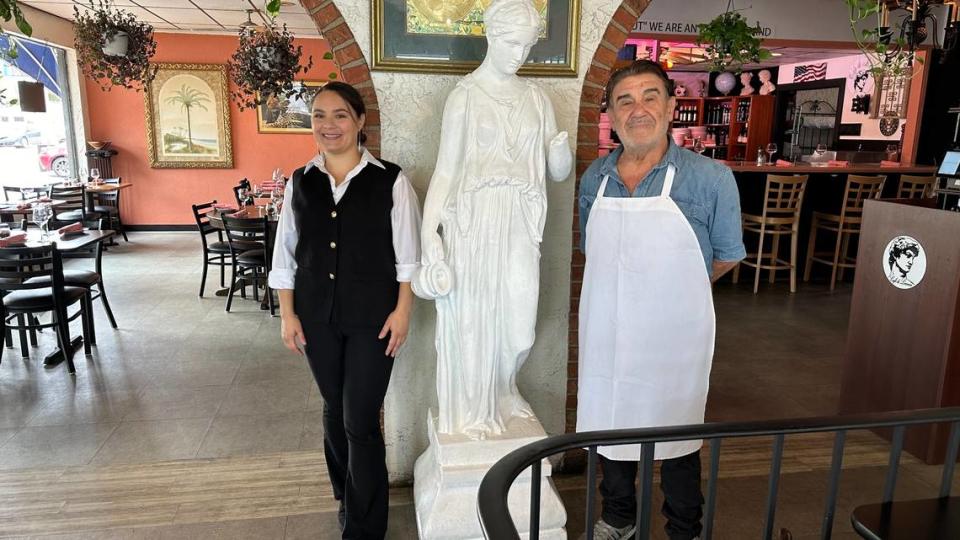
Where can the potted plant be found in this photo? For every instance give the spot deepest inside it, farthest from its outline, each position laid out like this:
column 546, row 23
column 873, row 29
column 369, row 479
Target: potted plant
column 10, row 10
column 113, row 47
column 888, row 56
column 265, row 64
column 731, row 42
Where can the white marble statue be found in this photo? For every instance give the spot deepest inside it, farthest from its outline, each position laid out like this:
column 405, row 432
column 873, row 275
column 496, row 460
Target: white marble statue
column 766, row 86
column 745, row 79
column 482, row 226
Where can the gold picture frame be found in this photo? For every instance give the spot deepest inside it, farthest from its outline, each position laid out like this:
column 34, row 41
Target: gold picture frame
column 188, row 117
column 455, row 43
column 288, row 115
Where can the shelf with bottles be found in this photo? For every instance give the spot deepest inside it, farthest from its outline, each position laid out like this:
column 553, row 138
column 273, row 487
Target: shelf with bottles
column 689, row 111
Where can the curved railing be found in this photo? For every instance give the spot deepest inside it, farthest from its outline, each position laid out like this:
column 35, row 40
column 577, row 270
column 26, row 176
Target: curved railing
column 497, row 523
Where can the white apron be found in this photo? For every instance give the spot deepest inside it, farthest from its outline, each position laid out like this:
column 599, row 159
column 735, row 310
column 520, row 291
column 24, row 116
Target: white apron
column 646, row 321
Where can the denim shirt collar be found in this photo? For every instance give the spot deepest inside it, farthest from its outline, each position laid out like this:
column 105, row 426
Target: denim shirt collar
column 609, row 165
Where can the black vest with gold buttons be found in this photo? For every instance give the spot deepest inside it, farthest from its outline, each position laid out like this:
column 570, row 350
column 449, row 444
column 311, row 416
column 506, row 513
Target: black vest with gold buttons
column 346, row 265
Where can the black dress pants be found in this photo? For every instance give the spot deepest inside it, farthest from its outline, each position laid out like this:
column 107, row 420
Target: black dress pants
column 352, row 371
column 682, row 497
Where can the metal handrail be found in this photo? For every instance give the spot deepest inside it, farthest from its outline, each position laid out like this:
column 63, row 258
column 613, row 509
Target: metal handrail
column 494, row 512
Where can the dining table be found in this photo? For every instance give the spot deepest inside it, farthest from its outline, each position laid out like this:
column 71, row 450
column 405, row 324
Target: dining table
column 256, row 211
column 91, row 190
column 66, row 244
column 16, row 208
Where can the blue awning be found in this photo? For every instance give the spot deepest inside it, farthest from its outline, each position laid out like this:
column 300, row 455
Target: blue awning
column 36, row 60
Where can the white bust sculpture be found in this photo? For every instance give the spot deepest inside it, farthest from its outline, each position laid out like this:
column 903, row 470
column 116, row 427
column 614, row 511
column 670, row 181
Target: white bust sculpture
column 498, row 142
column 745, row 79
column 766, row 87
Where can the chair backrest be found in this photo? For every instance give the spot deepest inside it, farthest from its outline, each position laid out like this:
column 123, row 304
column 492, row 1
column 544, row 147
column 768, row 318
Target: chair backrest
column 12, row 193
column 19, row 264
column 73, row 198
column 111, row 198
column 784, row 195
column 201, row 216
column 915, row 187
column 243, row 229
column 860, row 188
column 244, row 184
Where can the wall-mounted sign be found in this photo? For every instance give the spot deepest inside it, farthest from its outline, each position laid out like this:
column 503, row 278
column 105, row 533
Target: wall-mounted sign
column 904, row 262
column 680, row 27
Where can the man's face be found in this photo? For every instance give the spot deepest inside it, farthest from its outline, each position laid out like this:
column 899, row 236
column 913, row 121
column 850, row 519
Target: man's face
column 640, row 110
column 905, row 261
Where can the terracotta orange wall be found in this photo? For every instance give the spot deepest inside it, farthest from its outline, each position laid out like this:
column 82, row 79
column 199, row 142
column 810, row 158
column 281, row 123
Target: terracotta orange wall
column 164, row 196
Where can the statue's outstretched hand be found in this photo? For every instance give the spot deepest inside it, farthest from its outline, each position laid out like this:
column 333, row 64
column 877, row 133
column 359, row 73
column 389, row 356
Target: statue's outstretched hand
column 560, row 139
column 559, row 157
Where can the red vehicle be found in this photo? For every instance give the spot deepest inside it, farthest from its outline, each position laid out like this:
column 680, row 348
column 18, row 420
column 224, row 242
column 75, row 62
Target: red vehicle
column 54, row 158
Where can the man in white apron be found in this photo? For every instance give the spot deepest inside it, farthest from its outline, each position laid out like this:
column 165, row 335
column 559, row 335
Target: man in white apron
column 657, row 225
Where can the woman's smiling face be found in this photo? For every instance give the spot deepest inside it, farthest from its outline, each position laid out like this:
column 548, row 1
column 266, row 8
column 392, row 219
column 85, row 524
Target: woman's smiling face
column 335, row 124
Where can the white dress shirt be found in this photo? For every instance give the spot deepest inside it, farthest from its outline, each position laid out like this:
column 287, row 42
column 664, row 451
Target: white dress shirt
column 404, row 219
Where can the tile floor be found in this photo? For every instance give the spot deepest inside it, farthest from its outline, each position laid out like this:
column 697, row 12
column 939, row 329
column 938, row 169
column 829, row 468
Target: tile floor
column 168, row 385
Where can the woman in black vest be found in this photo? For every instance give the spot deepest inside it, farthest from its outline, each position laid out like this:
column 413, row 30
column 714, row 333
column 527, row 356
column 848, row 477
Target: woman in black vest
column 347, row 247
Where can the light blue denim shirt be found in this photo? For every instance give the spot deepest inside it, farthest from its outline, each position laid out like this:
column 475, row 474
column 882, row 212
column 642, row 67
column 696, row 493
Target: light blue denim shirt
column 704, row 190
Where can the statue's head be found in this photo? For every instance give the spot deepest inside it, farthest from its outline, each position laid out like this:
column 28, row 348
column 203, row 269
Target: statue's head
column 512, row 27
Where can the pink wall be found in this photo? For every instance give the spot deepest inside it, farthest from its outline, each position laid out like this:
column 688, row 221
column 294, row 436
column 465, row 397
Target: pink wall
column 164, row 196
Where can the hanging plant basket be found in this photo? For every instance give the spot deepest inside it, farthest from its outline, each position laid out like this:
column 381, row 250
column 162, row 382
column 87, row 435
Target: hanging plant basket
column 730, row 42
column 265, row 64
column 10, row 10
column 888, row 56
column 113, row 47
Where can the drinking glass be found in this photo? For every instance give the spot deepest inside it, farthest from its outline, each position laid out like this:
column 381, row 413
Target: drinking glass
column 698, row 146
column 242, row 194
column 27, row 193
column 771, row 150
column 892, row 151
column 42, row 212
column 95, row 175
column 820, row 150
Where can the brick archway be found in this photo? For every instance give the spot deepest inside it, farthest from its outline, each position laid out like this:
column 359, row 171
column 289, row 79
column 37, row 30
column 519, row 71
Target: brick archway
column 588, row 140
column 348, row 56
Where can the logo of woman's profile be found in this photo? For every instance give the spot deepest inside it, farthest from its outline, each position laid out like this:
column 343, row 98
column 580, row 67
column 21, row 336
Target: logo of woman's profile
column 904, row 262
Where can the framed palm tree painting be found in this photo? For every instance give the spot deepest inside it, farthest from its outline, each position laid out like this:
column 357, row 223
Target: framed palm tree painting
column 188, row 117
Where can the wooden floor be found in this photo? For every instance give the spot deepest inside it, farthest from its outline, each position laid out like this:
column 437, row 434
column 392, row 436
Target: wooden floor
column 74, row 499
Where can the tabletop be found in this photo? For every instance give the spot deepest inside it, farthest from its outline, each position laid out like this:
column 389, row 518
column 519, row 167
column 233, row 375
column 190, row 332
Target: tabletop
column 9, row 208
column 249, row 212
column 73, row 241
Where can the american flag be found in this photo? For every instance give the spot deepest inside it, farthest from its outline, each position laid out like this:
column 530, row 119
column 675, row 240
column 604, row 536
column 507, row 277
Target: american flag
column 810, row 72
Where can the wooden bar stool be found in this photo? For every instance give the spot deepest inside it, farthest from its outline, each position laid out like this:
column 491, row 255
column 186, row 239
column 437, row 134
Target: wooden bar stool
column 915, row 187
column 846, row 224
column 780, row 216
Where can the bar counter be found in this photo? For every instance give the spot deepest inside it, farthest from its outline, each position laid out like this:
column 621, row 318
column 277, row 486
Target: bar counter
column 857, row 168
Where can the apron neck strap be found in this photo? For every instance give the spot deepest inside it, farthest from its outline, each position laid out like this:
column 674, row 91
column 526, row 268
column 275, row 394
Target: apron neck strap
column 603, row 186
column 668, row 181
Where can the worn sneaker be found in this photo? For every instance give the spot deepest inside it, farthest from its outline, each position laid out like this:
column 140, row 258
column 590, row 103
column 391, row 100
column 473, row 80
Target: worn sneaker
column 604, row 531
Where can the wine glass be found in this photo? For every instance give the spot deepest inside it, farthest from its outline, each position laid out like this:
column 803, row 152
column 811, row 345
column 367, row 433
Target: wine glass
column 698, row 146
column 820, row 150
column 95, row 175
column 242, row 195
column 771, row 150
column 27, row 193
column 42, row 212
column 892, row 151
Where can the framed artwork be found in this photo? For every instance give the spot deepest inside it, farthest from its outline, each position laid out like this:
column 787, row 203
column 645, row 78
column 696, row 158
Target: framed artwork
column 188, row 117
column 447, row 36
column 287, row 115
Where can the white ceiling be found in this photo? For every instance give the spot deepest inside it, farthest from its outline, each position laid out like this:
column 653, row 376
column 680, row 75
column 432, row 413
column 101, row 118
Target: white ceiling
column 195, row 16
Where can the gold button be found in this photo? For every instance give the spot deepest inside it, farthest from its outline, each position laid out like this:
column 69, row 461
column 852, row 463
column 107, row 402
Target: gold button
column 333, row 245
column 333, row 214
column 331, row 276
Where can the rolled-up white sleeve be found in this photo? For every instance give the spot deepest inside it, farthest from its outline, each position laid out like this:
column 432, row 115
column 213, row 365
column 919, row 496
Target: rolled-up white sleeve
column 405, row 220
column 284, row 266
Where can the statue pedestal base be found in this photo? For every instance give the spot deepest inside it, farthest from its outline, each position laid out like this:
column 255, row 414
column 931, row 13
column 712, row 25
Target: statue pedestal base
column 448, row 474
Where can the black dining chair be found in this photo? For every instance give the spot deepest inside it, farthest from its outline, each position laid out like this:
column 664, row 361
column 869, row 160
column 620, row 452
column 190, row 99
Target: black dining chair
column 244, row 184
column 74, row 209
column 107, row 204
column 23, row 270
column 240, row 231
column 217, row 252
column 12, row 193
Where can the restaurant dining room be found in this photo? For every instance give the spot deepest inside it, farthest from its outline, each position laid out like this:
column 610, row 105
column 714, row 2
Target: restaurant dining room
column 292, row 269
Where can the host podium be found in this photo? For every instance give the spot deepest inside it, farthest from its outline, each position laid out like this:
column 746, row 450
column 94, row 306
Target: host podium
column 903, row 342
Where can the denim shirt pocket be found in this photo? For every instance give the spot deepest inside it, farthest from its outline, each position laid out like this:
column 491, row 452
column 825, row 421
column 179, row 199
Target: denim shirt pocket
column 695, row 213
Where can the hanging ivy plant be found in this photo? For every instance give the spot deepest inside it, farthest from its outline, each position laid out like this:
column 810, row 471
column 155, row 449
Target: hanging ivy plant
column 731, row 42
column 888, row 56
column 265, row 64
column 113, row 47
column 10, row 10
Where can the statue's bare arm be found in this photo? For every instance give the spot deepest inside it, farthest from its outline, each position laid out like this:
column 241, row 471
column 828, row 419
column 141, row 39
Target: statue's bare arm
column 445, row 175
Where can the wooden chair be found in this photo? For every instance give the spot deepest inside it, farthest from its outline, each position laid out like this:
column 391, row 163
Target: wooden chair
column 217, row 252
column 108, row 204
column 244, row 184
column 74, row 208
column 780, row 216
column 12, row 193
column 240, row 231
column 915, row 187
column 846, row 224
